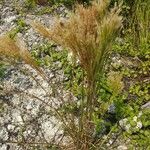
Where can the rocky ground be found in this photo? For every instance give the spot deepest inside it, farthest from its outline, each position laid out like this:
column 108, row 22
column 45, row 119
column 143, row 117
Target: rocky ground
column 26, row 114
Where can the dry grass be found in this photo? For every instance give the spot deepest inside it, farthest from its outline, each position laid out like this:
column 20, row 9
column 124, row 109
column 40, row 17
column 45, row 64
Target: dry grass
column 16, row 49
column 88, row 34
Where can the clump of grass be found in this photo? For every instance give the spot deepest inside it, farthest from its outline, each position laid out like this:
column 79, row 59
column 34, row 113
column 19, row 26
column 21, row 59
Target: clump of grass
column 88, row 35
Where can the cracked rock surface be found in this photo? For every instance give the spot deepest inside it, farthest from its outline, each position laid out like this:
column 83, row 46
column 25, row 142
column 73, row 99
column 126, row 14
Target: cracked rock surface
column 26, row 100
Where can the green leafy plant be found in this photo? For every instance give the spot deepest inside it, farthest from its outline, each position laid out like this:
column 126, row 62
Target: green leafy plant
column 30, row 4
column 134, row 58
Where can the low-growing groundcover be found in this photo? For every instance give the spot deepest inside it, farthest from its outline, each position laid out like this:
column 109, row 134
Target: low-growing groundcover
column 118, row 117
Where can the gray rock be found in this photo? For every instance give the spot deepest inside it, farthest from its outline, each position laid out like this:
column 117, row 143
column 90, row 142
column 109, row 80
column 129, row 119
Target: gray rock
column 3, row 147
column 10, row 19
column 3, row 134
column 112, row 109
column 122, row 147
column 146, row 106
column 25, row 112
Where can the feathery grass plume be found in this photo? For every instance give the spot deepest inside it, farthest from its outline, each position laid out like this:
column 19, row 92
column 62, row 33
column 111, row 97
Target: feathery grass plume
column 88, row 33
column 41, row 29
column 16, row 49
column 8, row 47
